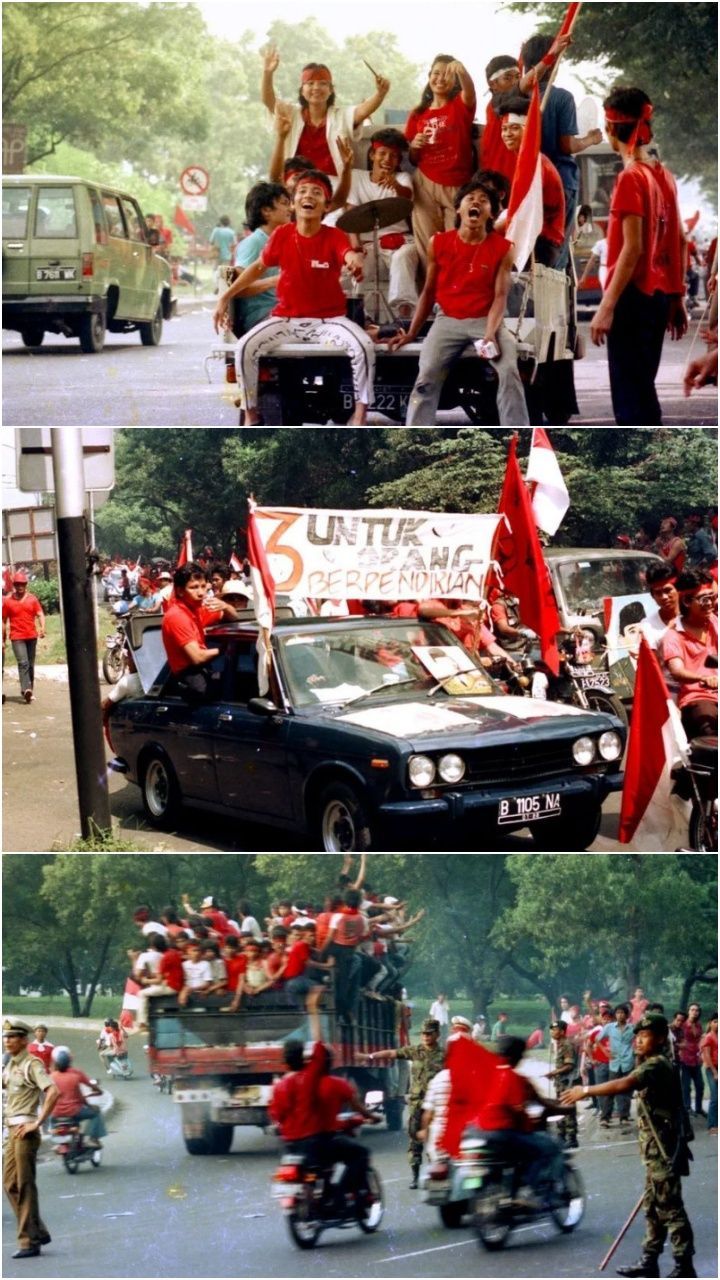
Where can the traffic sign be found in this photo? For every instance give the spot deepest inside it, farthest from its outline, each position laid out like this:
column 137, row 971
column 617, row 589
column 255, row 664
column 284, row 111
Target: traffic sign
column 195, row 180
column 194, row 204
column 33, row 447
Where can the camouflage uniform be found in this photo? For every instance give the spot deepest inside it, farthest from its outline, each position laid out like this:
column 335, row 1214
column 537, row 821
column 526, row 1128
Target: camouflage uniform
column 665, row 1214
column 426, row 1064
column 565, row 1061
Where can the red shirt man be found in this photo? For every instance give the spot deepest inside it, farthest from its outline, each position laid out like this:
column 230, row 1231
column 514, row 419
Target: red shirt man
column 183, row 626
column 20, row 610
column 170, row 969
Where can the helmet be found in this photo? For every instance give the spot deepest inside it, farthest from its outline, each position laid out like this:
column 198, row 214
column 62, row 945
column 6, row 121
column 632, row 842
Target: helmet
column 61, row 1057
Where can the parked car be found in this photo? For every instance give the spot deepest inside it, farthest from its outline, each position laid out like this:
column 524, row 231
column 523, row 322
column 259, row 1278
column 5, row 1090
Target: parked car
column 78, row 259
column 583, row 577
column 373, row 731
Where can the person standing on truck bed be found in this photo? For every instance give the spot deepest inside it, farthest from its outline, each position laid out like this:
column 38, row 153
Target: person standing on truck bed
column 427, row 1058
column 469, row 276
column 347, row 929
column 311, row 303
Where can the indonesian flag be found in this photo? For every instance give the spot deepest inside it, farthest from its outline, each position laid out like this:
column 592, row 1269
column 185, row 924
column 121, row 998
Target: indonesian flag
column 523, row 567
column 652, row 819
column 525, row 210
column 471, row 1067
column 263, row 587
column 691, row 223
column 185, row 553
column 235, row 563
column 550, row 498
column 182, row 221
column 569, row 20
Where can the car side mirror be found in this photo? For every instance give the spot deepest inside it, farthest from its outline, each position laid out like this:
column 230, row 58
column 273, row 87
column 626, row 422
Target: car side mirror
column 263, row 707
column 153, row 237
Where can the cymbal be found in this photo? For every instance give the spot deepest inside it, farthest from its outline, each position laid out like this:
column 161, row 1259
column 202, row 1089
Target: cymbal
column 362, row 217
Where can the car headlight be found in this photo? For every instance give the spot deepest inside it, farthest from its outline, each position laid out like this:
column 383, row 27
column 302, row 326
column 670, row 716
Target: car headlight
column 421, row 770
column 610, row 745
column 451, row 768
column 583, row 751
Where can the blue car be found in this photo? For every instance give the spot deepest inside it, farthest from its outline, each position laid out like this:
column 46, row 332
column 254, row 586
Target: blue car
column 374, row 733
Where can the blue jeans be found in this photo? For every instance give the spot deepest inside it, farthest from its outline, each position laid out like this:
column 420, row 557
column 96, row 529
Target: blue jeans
column 692, row 1076
column 445, row 343
column 24, row 651
column 711, row 1082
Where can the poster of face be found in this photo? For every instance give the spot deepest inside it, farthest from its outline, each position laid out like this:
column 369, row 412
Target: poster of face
column 624, row 627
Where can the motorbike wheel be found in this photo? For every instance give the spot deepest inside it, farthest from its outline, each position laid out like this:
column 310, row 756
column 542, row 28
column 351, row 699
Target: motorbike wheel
column 568, row 1210
column 113, row 664
column 598, row 700
column 452, row 1213
column 96, row 1159
column 304, row 1227
column 492, row 1223
column 703, row 832
column 71, row 1162
column 371, row 1219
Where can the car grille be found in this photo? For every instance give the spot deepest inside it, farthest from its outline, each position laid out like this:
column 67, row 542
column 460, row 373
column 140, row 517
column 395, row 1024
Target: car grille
column 529, row 762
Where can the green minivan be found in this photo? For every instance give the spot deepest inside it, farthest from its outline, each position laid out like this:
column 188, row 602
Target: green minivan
column 79, row 260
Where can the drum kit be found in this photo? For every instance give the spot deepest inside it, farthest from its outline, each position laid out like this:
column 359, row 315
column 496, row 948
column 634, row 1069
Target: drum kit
column 369, row 218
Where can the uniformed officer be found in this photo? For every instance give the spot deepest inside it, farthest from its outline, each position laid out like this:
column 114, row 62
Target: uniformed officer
column 427, row 1058
column 26, row 1082
column 663, row 1147
column 563, row 1074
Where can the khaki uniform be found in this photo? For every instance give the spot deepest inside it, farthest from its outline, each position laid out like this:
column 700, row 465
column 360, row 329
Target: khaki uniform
column 426, row 1064
column 565, row 1061
column 665, row 1214
column 26, row 1080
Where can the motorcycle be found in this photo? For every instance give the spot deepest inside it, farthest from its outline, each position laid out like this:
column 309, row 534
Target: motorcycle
column 118, row 1065
column 496, row 1208
column 450, row 1185
column 584, row 680
column 697, row 781
column 115, row 657
column 71, row 1145
column 311, row 1199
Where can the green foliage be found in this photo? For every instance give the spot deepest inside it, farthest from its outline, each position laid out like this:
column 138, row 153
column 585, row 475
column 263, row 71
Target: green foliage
column 670, row 51
column 48, row 593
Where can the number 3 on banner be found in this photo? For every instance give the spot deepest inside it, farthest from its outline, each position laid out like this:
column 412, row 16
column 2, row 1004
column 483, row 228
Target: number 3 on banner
column 275, row 547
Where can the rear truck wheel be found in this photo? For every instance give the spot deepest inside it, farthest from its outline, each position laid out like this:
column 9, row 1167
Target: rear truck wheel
column 303, row 1225
column 343, row 825
column 112, row 665
column 91, row 333
column 572, row 833
column 394, row 1108
column 215, row 1140
column 162, row 799
column 372, row 1214
column 569, row 1203
column 599, row 700
column 491, row 1221
column 151, row 333
column 32, row 335
column 452, row 1213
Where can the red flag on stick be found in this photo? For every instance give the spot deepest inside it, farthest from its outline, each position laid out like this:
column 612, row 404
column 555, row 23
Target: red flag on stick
column 263, row 585
column 471, row 1066
column 182, row 221
column 524, row 570
column 185, row 553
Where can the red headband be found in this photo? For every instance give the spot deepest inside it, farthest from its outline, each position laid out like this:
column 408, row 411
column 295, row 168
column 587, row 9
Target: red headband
column 321, row 179
column 641, row 134
column 315, row 73
column 390, row 147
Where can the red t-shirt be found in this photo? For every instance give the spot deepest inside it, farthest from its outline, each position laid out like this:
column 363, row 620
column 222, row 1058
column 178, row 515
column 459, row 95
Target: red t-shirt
column 599, row 1050
column 182, row 624
column 493, row 152
column 42, row 1051
column 535, row 1040
column 668, row 258
column 71, row 1099
column 298, row 957
column 710, row 1042
column 553, row 198
column 310, row 267
column 334, row 1095
column 170, row 969
column 313, row 145
column 447, row 157
column 466, row 273
column 506, row 1090
column 349, row 928
column 294, row 1106
column 234, row 966
column 636, row 192
column 21, row 615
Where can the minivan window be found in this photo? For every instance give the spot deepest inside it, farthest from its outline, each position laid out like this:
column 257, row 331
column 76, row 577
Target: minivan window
column 15, row 205
column 133, row 218
column 116, row 226
column 55, row 217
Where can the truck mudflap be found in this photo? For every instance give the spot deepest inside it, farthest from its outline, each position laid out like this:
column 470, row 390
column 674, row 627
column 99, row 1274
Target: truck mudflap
column 245, row 1104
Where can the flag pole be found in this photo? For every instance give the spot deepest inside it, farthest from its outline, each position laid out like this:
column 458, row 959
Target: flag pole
column 551, row 78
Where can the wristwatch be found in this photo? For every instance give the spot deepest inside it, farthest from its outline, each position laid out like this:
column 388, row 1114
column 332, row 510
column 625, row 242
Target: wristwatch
column 586, row 1090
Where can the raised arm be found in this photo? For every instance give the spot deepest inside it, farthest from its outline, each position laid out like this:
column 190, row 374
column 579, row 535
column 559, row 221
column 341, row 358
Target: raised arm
column 271, row 62
column 366, row 108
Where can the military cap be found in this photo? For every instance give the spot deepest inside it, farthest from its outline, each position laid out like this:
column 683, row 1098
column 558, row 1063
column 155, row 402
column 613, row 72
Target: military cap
column 559, row 1025
column 15, row 1026
column 460, row 1021
column 432, row 1025
column 654, row 1022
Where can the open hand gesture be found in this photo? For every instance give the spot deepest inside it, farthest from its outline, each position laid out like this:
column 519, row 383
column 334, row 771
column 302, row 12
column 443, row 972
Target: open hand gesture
column 271, row 59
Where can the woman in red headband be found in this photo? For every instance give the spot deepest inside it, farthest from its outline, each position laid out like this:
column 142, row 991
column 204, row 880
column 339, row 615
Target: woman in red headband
column 316, row 123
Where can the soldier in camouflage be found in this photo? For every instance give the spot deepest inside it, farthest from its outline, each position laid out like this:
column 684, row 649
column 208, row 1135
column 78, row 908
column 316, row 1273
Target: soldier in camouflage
column 564, row 1075
column 427, row 1058
column 663, row 1133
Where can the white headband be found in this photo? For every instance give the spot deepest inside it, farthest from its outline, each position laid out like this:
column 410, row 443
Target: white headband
column 502, row 72
column 511, row 118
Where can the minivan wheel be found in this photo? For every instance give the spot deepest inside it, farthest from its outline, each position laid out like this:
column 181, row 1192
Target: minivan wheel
column 150, row 334
column 162, row 798
column 91, row 332
column 33, row 335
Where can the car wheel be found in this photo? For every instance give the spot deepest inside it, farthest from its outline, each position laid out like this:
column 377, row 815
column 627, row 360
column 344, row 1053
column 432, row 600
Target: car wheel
column 162, row 799
column 33, row 335
column 343, row 822
column 150, row 334
column 91, row 333
column 571, row 834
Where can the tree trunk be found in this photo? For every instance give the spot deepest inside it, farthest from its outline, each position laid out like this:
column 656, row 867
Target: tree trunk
column 96, row 978
column 69, row 981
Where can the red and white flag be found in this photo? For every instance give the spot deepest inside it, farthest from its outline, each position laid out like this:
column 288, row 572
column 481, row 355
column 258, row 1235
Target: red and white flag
column 235, row 563
column 525, row 209
column 185, row 553
column 263, row 589
column 652, row 819
column 550, row 498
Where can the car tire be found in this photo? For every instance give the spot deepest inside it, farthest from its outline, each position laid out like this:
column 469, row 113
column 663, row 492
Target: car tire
column 150, row 334
column 343, row 824
column 162, row 798
column 571, row 834
column 91, row 332
column 32, row 335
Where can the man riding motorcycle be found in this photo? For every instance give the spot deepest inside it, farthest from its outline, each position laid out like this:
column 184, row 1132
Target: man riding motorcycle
column 72, row 1103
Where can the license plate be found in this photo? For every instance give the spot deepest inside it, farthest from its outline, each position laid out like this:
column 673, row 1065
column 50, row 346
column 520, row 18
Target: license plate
column 56, row 273
column 471, row 1184
column 519, row 810
column 596, row 680
column 391, row 401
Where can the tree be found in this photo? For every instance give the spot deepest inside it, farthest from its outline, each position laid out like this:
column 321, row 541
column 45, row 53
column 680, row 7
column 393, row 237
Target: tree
column 670, row 51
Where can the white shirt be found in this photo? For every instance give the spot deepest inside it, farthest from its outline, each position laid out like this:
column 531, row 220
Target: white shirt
column 437, row 1098
column 128, row 686
column 363, row 189
column 653, row 628
column 148, row 960
column 250, row 926
column 196, row 973
column 440, row 1010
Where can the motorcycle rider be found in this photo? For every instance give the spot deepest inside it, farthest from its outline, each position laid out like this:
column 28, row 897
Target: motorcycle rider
column 335, row 1095
column 71, row 1105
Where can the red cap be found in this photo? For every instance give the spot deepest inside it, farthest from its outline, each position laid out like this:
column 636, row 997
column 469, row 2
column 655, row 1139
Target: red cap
column 20, row 577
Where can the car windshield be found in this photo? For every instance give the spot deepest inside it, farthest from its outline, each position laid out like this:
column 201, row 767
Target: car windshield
column 341, row 666
column 585, row 583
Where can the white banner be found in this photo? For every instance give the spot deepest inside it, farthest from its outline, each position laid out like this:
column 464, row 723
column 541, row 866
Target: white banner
column 377, row 554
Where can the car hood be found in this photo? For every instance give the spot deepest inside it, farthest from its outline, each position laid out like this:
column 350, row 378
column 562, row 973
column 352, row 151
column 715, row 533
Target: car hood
column 422, row 722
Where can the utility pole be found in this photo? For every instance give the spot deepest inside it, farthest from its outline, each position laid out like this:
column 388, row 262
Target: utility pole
column 80, row 640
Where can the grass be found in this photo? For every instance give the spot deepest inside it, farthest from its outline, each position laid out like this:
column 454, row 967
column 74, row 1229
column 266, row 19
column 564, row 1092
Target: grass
column 52, row 649
column 99, row 842
column 523, row 1015
column 47, row 1007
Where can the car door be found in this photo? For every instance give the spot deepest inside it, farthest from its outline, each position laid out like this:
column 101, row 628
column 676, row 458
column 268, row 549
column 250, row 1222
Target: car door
column 142, row 257
column 16, row 214
column 55, row 244
column 120, row 254
column 186, row 731
column 251, row 760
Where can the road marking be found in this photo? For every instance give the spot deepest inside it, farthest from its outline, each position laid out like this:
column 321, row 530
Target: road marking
column 398, row 1257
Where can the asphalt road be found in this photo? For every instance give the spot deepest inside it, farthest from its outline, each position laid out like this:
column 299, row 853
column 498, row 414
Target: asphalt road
column 132, row 385
column 153, row 1210
column 40, row 810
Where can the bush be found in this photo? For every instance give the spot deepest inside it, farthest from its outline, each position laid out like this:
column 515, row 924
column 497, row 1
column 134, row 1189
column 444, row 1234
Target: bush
column 48, row 593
